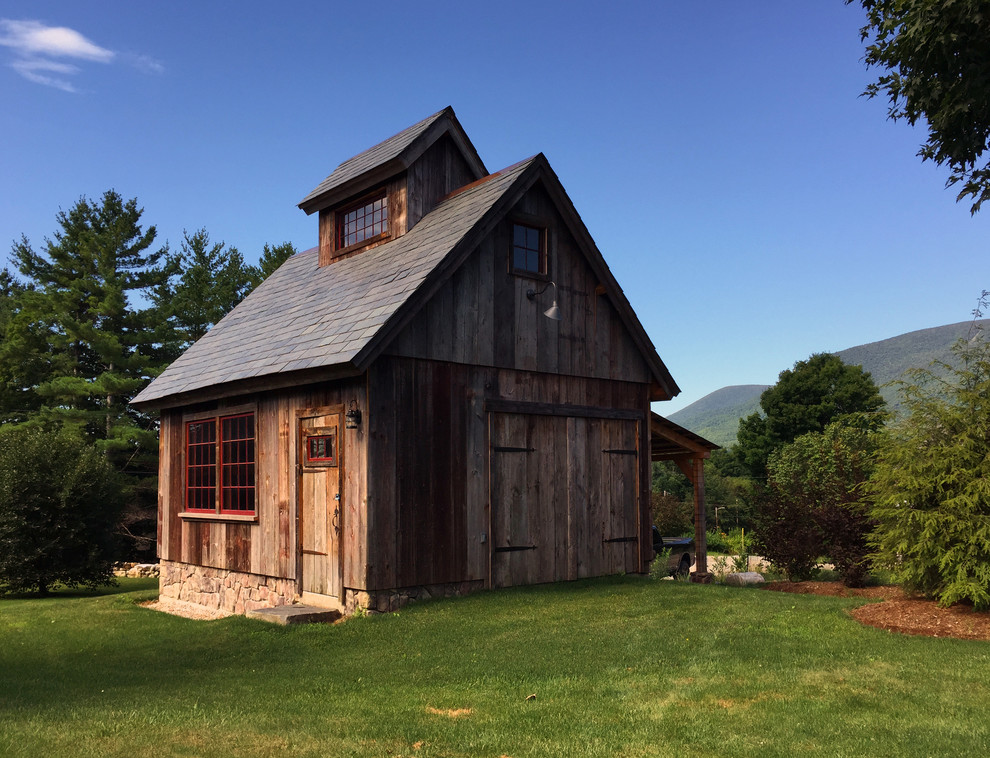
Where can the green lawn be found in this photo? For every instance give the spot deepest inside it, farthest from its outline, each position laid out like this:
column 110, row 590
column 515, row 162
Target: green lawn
column 620, row 666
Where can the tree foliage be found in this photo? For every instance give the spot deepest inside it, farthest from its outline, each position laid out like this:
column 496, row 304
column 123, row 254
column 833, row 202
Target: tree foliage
column 814, row 505
column 60, row 501
column 934, row 57
column 96, row 313
column 805, row 399
column 273, row 256
column 206, row 282
column 931, row 487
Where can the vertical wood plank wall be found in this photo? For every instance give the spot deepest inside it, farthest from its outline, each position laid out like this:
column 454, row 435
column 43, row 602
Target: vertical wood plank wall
column 482, row 316
column 267, row 547
column 429, row 448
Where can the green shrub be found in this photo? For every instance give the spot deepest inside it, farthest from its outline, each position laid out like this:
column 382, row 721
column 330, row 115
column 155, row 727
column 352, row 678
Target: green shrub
column 671, row 515
column 813, row 503
column 931, row 487
column 59, row 507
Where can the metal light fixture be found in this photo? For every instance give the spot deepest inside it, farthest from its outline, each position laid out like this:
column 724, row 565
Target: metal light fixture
column 553, row 312
column 352, row 419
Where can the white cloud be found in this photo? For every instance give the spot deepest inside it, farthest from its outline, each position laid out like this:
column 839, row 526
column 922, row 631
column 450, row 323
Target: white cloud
column 38, row 71
column 145, row 64
column 39, row 48
column 33, row 38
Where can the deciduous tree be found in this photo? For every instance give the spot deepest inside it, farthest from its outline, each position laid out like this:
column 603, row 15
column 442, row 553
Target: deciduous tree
column 805, row 399
column 60, row 502
column 934, row 57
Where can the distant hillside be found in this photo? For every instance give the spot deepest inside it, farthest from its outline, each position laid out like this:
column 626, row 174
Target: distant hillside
column 716, row 416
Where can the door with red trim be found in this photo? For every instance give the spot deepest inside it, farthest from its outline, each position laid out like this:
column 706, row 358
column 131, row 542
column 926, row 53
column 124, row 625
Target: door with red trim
column 320, row 509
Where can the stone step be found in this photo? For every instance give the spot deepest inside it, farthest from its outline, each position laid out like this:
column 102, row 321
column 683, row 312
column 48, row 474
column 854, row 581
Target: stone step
column 295, row 614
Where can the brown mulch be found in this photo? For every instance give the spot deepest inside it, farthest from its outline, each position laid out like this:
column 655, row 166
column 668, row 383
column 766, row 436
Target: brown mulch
column 898, row 612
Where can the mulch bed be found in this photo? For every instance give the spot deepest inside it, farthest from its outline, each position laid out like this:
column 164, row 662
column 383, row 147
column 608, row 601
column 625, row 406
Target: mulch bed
column 899, row 613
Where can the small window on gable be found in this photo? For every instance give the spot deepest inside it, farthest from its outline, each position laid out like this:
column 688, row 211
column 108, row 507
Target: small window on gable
column 529, row 249
column 362, row 221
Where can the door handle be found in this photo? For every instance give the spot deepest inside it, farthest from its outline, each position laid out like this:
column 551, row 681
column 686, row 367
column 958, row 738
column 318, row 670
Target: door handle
column 336, row 523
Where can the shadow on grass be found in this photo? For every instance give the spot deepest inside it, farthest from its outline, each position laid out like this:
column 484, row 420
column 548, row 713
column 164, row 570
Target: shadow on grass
column 123, row 584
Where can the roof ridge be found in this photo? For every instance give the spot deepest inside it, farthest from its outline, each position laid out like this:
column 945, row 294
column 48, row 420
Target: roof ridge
column 482, row 180
column 421, row 122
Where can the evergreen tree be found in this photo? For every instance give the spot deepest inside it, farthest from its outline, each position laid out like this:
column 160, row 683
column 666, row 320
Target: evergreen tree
column 207, row 282
column 272, row 257
column 931, row 485
column 78, row 317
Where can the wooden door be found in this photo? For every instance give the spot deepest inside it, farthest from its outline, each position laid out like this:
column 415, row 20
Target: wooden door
column 564, row 497
column 320, row 511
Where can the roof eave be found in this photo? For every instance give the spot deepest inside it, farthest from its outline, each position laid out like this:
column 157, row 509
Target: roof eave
column 356, row 186
column 239, row 387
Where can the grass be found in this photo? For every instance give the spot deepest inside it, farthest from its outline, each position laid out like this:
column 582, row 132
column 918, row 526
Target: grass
column 620, row 666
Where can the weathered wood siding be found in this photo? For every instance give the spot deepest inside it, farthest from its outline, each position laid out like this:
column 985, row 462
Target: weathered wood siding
column 429, row 476
column 482, row 316
column 565, row 497
column 436, row 173
column 266, row 546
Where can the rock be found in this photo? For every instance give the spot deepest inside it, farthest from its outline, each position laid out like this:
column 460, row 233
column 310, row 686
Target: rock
column 744, row 578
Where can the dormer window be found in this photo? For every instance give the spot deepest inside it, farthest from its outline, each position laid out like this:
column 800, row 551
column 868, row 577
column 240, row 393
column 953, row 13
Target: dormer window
column 365, row 220
column 529, row 249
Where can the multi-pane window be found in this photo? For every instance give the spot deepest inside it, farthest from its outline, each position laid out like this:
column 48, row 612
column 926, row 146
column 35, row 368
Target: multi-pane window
column 220, row 465
column 364, row 221
column 529, row 249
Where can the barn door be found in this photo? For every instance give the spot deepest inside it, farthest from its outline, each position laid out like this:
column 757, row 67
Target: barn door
column 564, row 497
column 529, row 499
column 320, row 509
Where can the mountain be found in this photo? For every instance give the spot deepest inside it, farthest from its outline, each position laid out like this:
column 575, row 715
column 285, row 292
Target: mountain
column 716, row 416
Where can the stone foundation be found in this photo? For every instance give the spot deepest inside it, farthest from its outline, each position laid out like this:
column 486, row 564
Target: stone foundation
column 386, row 601
column 223, row 590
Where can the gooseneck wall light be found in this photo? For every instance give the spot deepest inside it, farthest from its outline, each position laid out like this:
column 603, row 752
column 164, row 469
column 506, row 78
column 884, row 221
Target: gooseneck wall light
column 553, row 312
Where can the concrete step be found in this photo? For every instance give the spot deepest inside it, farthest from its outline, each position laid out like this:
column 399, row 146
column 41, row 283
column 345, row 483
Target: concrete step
column 295, row 614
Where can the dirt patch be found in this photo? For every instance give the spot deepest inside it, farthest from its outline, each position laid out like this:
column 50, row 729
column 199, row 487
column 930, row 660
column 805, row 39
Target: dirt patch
column 899, row 613
column 833, row 589
column 184, row 609
column 453, row 713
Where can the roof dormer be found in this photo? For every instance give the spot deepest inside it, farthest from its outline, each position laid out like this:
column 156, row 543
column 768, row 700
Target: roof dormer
column 382, row 193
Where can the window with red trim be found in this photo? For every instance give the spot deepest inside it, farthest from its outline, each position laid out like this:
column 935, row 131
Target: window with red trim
column 363, row 221
column 321, row 448
column 220, row 465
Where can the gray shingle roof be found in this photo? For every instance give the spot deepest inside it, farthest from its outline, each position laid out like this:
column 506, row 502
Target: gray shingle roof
column 375, row 156
column 305, row 317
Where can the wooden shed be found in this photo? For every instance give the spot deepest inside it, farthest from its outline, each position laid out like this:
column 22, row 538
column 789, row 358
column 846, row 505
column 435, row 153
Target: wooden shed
column 450, row 392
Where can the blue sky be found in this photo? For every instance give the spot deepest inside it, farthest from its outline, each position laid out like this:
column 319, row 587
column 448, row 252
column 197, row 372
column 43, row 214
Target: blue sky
column 753, row 207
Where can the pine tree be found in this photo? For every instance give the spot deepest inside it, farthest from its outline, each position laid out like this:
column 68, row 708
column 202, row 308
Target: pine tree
column 207, row 282
column 272, row 257
column 79, row 317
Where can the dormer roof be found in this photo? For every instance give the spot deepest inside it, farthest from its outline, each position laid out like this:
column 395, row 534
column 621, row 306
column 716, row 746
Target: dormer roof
column 391, row 157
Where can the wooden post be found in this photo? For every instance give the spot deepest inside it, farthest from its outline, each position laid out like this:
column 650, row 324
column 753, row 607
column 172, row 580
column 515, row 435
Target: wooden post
column 701, row 574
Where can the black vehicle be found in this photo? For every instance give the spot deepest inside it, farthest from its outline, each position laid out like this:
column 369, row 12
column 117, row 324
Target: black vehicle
column 681, row 555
